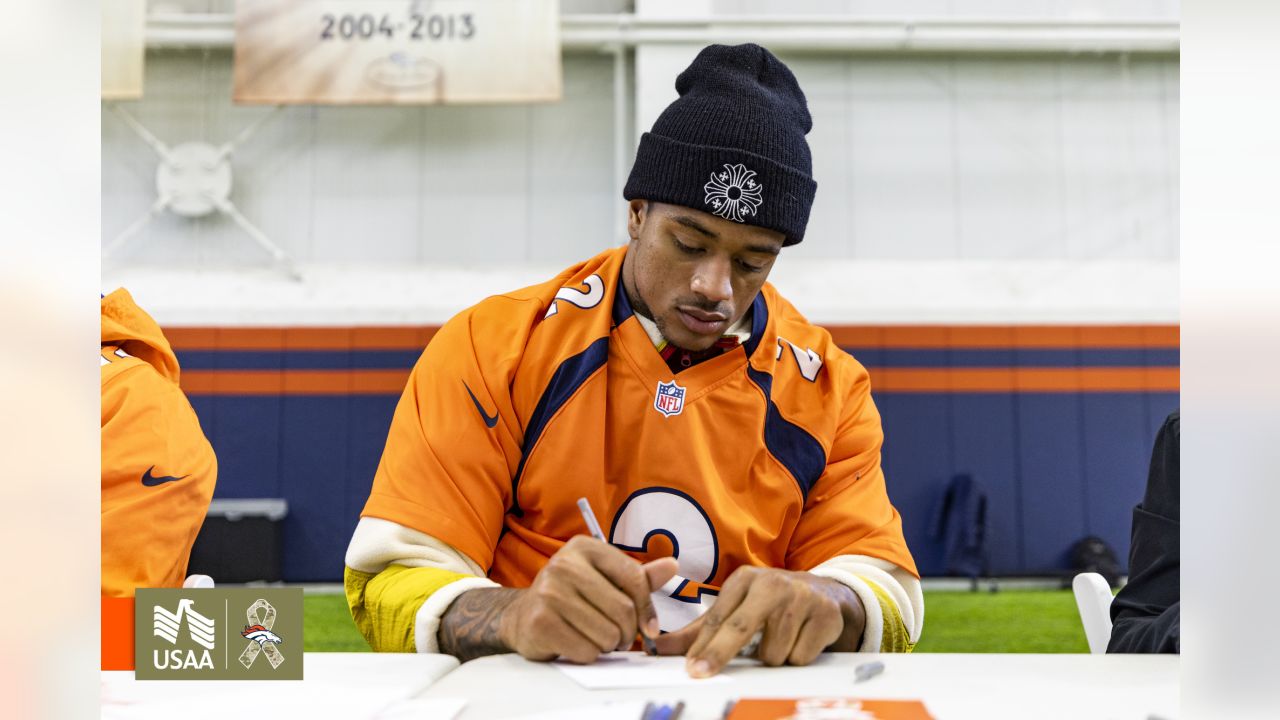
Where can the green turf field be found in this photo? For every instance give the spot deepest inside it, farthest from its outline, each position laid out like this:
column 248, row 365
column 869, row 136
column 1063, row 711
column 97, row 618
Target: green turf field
column 1032, row 621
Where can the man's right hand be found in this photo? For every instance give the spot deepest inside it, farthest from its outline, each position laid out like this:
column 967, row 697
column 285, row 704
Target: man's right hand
column 590, row 599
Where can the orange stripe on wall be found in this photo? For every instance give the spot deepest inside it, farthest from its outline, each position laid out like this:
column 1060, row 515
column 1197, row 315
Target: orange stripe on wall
column 987, row 337
column 391, row 338
column 301, row 338
column 294, row 382
column 183, row 338
column 1163, row 336
column 307, row 338
column 1056, row 380
column 977, row 337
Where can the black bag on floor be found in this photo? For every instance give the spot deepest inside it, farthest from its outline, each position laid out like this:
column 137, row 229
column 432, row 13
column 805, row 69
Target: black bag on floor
column 1093, row 554
column 960, row 524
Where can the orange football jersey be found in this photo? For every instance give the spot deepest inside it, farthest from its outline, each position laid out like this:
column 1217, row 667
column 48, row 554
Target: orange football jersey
column 767, row 455
column 158, row 470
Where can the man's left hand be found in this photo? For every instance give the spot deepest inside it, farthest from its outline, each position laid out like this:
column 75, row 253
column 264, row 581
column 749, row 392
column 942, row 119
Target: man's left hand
column 798, row 614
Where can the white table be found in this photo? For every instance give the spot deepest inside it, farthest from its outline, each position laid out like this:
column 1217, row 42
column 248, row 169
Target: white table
column 1098, row 687
column 338, row 685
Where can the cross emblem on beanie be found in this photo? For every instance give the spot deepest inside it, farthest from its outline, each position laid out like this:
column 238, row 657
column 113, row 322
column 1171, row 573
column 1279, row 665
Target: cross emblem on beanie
column 733, row 193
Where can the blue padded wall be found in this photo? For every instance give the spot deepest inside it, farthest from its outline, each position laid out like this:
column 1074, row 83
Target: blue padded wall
column 1056, row 465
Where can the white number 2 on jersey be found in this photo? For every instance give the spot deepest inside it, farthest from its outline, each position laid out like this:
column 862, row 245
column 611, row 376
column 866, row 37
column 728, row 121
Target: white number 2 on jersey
column 578, row 298
column 669, row 512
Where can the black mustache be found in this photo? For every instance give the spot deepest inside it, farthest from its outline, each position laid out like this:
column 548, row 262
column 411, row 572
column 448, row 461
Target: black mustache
column 706, row 307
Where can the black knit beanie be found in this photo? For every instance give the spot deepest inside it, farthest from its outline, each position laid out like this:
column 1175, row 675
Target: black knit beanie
column 733, row 143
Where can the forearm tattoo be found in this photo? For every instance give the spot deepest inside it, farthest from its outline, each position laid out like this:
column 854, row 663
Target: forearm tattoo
column 470, row 627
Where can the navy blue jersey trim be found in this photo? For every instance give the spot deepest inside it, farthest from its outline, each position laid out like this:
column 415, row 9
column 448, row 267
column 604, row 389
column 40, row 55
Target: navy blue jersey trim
column 571, row 374
column 796, row 449
column 759, row 321
column 621, row 305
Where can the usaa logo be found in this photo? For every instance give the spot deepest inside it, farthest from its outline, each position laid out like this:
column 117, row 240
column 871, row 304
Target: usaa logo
column 200, row 637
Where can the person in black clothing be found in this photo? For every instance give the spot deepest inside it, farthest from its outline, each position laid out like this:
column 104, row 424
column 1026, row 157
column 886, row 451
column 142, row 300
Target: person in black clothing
column 1145, row 614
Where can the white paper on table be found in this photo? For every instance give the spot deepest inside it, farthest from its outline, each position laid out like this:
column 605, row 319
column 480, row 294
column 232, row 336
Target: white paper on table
column 633, row 671
column 434, row 708
column 612, row 710
column 268, row 702
column 136, row 701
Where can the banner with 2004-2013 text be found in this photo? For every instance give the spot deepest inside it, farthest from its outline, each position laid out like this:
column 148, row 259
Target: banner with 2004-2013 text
column 408, row 52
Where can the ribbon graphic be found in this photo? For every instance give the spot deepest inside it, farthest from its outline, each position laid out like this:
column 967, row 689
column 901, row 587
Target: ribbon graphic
column 264, row 643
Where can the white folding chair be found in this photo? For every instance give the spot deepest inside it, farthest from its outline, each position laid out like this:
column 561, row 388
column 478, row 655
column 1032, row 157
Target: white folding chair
column 1093, row 600
column 198, row 581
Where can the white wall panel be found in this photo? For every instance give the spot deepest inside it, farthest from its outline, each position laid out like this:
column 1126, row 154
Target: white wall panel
column 366, row 183
column 899, row 8
column 220, row 240
column 1009, row 159
column 827, row 291
column 574, row 209
column 1116, row 195
column 475, row 181
column 1004, row 9
column 903, row 159
column 984, row 9
column 1121, row 9
column 774, row 7
column 1170, row 134
column 826, row 86
column 1154, row 108
column 275, row 179
column 128, row 178
column 1102, row 193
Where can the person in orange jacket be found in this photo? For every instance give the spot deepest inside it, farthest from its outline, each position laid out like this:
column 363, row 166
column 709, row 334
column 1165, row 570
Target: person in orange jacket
column 158, row 469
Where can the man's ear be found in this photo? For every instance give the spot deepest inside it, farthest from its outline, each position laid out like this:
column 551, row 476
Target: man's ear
column 636, row 211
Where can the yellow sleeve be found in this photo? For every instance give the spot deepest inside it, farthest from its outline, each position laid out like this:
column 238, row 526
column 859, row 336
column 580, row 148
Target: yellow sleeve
column 894, row 637
column 385, row 605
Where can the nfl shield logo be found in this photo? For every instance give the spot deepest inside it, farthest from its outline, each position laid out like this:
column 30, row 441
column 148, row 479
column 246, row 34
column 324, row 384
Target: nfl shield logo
column 670, row 398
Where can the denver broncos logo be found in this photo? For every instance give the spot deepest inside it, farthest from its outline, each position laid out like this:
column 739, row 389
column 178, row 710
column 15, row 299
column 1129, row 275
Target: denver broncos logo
column 260, row 635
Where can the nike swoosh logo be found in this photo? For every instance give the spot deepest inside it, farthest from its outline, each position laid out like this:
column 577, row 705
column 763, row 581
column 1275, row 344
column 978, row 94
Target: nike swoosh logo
column 488, row 421
column 151, row 481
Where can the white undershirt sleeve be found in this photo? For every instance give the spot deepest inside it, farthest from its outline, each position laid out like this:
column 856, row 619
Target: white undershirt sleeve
column 859, row 572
